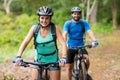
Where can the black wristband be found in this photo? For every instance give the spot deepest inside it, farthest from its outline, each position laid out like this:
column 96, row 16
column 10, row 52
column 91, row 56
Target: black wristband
column 64, row 57
column 18, row 57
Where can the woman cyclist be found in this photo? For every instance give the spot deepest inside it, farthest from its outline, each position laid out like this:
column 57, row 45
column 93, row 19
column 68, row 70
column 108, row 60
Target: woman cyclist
column 46, row 48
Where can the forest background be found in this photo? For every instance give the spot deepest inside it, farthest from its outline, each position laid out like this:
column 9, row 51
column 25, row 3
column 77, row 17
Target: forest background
column 17, row 17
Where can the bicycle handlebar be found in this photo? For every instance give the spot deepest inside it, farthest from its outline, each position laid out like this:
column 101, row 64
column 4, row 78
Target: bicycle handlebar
column 80, row 47
column 27, row 64
column 88, row 46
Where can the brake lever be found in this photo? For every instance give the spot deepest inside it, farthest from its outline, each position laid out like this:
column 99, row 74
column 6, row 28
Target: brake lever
column 89, row 46
column 24, row 64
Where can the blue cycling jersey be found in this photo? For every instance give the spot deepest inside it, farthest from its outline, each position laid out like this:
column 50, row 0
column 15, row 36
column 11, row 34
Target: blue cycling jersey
column 75, row 34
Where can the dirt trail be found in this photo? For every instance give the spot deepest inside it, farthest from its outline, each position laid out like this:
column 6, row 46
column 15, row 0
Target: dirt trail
column 105, row 62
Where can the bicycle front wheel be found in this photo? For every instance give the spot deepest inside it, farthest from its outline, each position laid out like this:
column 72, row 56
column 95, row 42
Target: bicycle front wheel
column 83, row 71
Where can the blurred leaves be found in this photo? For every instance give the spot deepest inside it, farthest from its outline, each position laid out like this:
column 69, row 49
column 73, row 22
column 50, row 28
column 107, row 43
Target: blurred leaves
column 13, row 30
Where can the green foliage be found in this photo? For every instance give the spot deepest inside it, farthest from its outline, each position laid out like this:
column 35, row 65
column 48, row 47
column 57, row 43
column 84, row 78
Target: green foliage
column 13, row 30
column 102, row 29
column 8, row 77
column 5, row 19
column 16, row 7
column 82, row 6
column 1, row 13
column 62, row 10
column 58, row 16
column 32, row 6
column 103, row 16
column 118, row 15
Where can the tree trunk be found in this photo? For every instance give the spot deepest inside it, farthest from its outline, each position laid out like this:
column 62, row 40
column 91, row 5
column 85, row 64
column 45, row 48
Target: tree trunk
column 93, row 12
column 6, row 6
column 7, row 9
column 84, row 4
column 88, row 10
column 114, row 14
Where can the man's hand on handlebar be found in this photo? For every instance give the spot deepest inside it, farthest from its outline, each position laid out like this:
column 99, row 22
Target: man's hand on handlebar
column 95, row 43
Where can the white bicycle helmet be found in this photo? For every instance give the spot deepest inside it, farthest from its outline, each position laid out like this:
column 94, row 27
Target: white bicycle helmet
column 74, row 9
column 44, row 11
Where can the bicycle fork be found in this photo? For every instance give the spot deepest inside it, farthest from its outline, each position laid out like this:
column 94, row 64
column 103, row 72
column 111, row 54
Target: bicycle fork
column 76, row 68
column 41, row 77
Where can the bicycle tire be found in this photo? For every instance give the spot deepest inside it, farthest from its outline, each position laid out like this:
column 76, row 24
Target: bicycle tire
column 83, row 71
column 43, row 74
column 76, row 72
column 74, row 76
column 39, row 74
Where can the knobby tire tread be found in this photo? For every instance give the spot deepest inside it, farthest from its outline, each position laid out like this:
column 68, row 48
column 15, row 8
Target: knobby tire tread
column 83, row 71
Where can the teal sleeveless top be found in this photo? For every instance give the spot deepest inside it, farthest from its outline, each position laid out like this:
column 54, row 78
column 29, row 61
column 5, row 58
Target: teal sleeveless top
column 46, row 50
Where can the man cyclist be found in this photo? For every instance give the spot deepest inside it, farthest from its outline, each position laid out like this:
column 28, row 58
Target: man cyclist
column 46, row 48
column 74, row 30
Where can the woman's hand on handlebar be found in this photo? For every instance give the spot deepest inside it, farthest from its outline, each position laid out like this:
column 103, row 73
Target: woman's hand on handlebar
column 18, row 60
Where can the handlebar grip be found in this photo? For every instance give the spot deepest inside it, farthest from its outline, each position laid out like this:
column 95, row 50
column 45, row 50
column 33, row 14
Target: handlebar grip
column 89, row 46
column 24, row 64
column 13, row 61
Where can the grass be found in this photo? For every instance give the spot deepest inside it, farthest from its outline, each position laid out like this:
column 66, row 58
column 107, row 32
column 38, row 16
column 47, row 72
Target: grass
column 11, row 56
column 9, row 77
column 102, row 29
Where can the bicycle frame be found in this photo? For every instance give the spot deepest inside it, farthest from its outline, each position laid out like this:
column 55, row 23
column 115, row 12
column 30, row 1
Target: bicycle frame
column 43, row 68
column 79, row 71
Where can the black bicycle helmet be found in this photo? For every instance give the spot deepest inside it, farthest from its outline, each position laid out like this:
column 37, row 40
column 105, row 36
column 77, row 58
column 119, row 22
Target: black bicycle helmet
column 74, row 9
column 44, row 11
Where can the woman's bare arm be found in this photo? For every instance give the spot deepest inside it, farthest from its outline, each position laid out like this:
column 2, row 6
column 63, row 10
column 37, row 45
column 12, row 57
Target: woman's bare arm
column 25, row 42
column 62, row 42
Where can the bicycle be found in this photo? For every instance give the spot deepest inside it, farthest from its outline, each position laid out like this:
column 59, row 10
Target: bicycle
column 43, row 67
column 79, row 71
